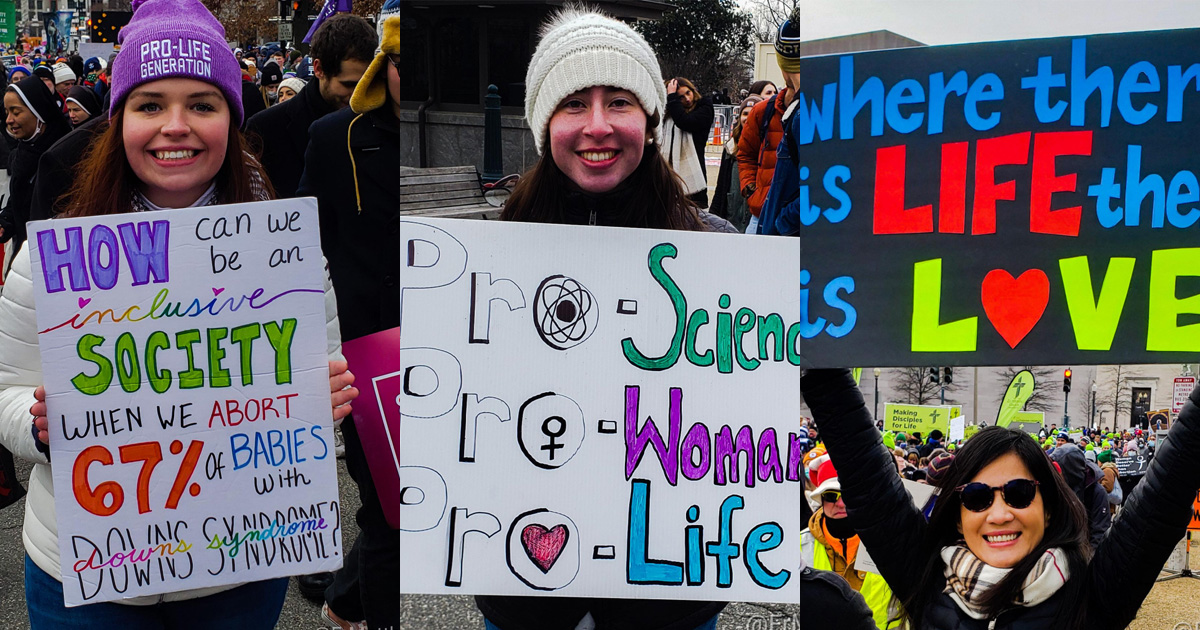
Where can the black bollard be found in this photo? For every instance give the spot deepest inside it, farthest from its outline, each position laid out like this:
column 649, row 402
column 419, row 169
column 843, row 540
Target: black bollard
column 493, row 147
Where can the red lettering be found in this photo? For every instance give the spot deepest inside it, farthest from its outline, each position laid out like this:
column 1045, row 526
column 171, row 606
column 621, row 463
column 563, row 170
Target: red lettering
column 952, row 203
column 1012, row 149
column 231, row 408
column 257, row 409
column 268, row 405
column 1047, row 147
column 890, row 215
column 216, row 413
column 287, row 409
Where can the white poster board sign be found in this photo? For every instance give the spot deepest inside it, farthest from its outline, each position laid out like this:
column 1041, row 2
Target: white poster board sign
column 599, row 412
column 1183, row 387
column 920, row 493
column 185, row 365
column 958, row 428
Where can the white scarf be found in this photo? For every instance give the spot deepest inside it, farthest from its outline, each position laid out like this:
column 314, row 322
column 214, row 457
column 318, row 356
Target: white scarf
column 681, row 155
column 968, row 578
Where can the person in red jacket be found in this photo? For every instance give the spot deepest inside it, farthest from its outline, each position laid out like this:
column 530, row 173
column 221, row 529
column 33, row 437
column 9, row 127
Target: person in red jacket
column 763, row 130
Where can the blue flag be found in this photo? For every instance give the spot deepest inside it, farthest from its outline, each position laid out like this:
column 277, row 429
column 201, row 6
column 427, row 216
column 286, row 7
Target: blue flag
column 331, row 7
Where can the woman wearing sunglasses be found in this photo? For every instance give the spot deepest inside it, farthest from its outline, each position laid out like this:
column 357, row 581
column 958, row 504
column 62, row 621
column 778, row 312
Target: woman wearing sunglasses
column 1006, row 544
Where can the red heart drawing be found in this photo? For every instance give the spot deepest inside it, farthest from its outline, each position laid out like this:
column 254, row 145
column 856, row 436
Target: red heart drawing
column 543, row 546
column 84, row 302
column 1014, row 305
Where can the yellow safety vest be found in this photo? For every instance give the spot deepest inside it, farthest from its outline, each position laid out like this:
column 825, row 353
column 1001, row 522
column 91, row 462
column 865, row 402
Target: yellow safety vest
column 874, row 588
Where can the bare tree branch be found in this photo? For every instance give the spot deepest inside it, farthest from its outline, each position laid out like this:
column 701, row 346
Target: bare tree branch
column 1043, row 386
column 912, row 386
column 769, row 15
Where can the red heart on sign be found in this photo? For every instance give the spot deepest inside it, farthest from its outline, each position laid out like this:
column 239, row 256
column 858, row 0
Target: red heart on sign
column 543, row 546
column 1014, row 305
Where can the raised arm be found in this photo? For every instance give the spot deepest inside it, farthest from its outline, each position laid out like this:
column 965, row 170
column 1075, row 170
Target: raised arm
column 1154, row 519
column 879, row 507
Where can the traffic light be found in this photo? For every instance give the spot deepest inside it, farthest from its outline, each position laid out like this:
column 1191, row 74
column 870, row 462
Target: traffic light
column 948, row 375
column 1067, row 380
column 295, row 5
column 933, row 375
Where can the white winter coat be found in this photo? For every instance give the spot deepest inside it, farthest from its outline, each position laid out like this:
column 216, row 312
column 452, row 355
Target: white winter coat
column 20, row 374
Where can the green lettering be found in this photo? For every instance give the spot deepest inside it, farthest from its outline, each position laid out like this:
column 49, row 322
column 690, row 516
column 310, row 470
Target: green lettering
column 160, row 380
column 218, row 376
column 928, row 333
column 770, row 325
column 793, row 340
column 724, row 337
column 128, row 370
column 1163, row 332
column 699, row 318
column 244, row 337
column 97, row 383
column 657, row 254
column 743, row 323
column 281, row 341
column 1095, row 321
column 192, row 377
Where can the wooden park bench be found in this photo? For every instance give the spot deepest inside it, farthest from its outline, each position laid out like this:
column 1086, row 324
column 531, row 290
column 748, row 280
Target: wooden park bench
column 449, row 192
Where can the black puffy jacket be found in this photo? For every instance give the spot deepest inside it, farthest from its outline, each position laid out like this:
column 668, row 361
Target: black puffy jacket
column 1084, row 478
column 1120, row 574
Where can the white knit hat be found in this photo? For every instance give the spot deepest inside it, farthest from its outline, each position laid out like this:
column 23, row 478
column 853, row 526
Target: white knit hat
column 63, row 72
column 581, row 49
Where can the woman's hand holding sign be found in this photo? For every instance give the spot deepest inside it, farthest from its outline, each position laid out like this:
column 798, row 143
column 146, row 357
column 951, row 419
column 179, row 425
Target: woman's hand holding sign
column 39, row 415
column 340, row 390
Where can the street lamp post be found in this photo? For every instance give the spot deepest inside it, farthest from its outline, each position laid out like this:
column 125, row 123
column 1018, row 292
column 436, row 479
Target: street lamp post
column 877, row 371
column 1092, row 422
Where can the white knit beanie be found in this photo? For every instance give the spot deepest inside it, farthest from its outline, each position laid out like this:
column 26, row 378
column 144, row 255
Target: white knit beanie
column 580, row 49
column 63, row 72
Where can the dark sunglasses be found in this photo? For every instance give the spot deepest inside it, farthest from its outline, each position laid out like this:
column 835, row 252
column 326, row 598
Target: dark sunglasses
column 1017, row 493
column 831, row 496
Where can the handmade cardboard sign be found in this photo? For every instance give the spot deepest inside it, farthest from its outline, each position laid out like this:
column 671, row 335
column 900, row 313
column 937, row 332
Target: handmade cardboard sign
column 1029, row 202
column 919, row 418
column 185, row 365
column 598, row 412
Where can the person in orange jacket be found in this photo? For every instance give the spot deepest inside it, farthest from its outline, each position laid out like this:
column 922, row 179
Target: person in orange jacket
column 763, row 130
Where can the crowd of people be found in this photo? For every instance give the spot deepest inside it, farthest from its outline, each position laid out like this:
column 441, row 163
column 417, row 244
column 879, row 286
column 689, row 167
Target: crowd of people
column 97, row 136
column 1018, row 531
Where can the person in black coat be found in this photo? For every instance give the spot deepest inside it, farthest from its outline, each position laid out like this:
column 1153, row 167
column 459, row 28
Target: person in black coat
column 282, row 130
column 351, row 167
column 693, row 113
column 39, row 125
column 56, row 167
column 1084, row 479
column 282, row 133
column 964, row 569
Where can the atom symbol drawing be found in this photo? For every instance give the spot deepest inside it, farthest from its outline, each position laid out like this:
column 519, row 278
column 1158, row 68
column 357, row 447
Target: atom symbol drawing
column 564, row 312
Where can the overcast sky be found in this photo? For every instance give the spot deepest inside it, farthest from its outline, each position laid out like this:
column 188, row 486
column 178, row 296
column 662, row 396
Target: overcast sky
column 958, row 21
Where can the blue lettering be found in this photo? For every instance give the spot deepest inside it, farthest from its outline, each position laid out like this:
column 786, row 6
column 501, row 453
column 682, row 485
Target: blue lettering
column 1083, row 84
column 1130, row 84
column 1041, row 83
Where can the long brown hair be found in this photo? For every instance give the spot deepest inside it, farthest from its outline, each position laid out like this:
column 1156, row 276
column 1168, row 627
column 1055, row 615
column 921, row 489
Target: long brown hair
column 105, row 183
column 659, row 200
column 695, row 93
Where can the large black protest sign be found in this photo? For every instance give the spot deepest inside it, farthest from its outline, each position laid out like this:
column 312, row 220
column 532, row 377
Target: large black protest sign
column 1031, row 202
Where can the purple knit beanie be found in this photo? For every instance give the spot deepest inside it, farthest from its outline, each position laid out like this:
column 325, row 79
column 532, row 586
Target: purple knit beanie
column 175, row 38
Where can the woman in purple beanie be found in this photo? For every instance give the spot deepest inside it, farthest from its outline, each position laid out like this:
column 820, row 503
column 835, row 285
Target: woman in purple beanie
column 171, row 141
